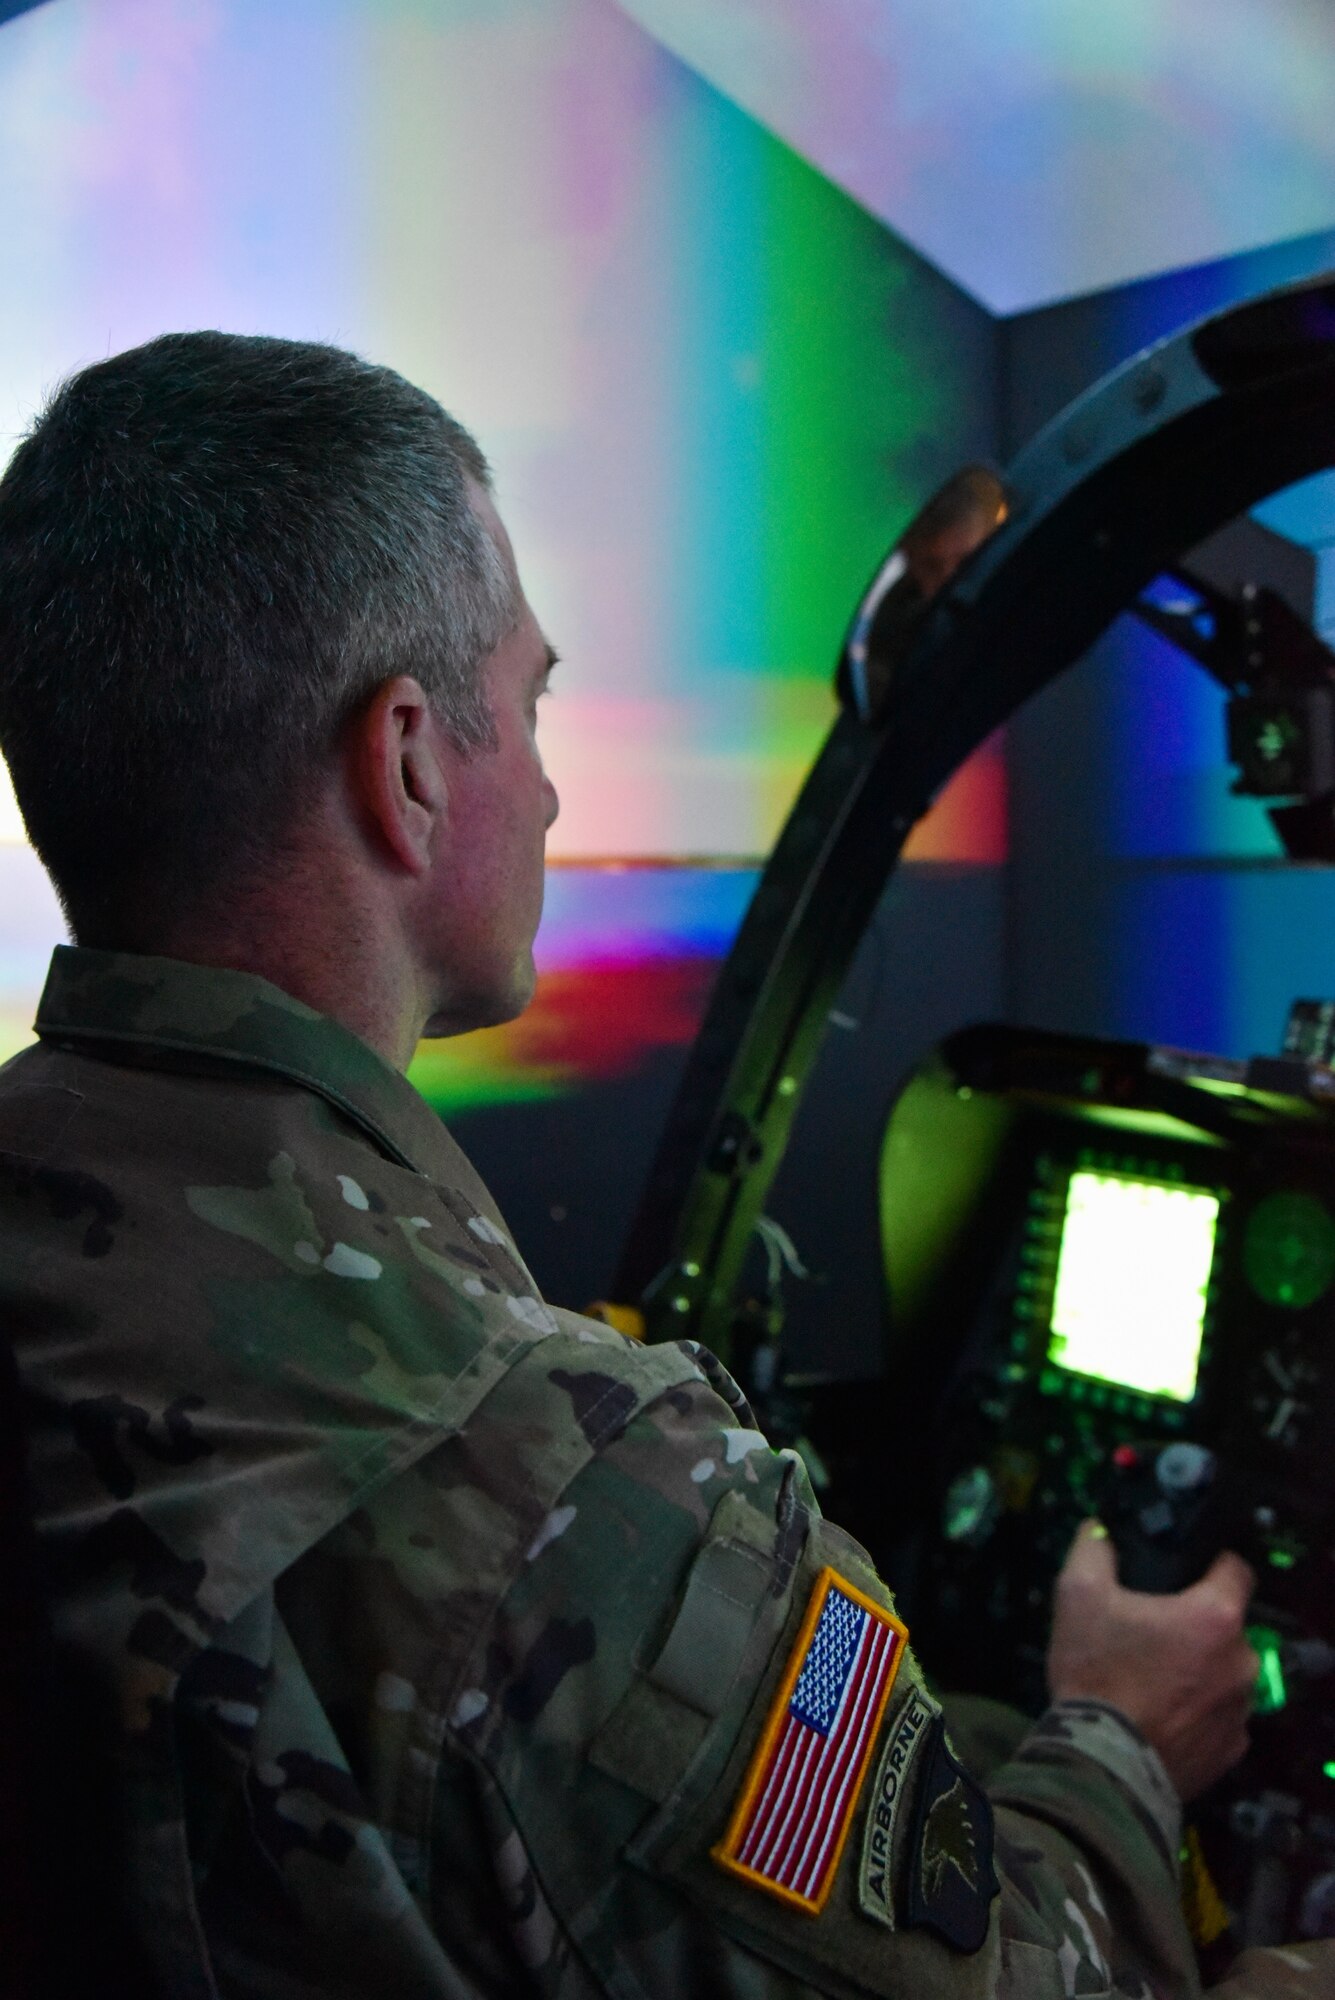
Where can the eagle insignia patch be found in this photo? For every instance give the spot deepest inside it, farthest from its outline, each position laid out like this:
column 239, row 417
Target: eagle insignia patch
column 951, row 1878
column 795, row 1808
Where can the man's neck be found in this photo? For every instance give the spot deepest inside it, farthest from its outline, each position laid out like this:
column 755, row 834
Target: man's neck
column 331, row 959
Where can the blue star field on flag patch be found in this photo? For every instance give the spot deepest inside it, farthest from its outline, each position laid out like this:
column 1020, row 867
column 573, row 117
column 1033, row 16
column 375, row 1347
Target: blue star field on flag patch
column 825, row 1670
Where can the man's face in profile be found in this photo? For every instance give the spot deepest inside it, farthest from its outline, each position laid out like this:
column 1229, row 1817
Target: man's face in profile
column 500, row 805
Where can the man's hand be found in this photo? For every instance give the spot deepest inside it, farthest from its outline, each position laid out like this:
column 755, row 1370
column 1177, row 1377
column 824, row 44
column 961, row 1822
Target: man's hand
column 1178, row 1666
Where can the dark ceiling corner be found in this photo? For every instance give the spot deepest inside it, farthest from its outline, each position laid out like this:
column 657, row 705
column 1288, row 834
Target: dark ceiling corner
column 9, row 8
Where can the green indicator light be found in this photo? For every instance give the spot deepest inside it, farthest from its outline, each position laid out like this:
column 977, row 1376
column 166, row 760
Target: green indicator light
column 1288, row 1251
column 1328, row 1770
column 1282, row 1558
column 971, row 1506
column 1271, row 1692
column 1132, row 1273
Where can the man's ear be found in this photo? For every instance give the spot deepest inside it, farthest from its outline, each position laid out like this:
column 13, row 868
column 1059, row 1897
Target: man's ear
column 396, row 775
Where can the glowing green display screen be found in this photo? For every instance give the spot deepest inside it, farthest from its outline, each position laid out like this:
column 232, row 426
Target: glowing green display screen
column 1132, row 1274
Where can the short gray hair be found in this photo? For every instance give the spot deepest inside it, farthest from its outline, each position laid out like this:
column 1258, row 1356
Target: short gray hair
column 213, row 549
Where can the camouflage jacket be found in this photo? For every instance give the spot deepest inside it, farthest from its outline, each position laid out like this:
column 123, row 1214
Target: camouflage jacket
column 448, row 1635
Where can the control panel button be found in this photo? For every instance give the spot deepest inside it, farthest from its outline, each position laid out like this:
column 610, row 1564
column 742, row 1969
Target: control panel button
column 1184, row 1468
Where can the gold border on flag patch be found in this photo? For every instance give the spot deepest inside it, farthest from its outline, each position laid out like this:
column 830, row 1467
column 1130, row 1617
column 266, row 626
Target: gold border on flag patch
column 794, row 1812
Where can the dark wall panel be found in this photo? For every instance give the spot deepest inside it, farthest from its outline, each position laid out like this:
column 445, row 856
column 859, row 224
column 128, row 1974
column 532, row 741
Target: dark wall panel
column 1143, row 898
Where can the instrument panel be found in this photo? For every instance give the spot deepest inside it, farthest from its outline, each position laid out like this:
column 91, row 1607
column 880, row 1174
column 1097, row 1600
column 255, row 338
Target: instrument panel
column 1116, row 1296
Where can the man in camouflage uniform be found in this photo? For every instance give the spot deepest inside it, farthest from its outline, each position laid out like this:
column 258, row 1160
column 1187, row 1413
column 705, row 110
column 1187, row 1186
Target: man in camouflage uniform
column 454, row 1640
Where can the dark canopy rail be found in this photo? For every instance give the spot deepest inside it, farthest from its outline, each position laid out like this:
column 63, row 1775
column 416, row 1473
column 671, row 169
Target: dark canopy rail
column 1147, row 464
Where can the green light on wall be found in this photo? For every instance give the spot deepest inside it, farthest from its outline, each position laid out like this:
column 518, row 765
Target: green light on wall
column 1328, row 1770
column 1132, row 1274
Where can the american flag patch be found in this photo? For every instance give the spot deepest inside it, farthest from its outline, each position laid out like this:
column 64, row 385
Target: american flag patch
column 795, row 1807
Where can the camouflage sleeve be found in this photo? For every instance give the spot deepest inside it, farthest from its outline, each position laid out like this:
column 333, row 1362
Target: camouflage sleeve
column 1281, row 1972
column 620, row 1722
column 1088, row 1828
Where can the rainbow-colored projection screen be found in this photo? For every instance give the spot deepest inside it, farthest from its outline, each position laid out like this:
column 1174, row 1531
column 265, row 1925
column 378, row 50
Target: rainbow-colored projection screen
column 626, row 959
column 711, row 386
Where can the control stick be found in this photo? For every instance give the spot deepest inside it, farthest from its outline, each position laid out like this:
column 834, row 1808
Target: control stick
column 1165, row 1514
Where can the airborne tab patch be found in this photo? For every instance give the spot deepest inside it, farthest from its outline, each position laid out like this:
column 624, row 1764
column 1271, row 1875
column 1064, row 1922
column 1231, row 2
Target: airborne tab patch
column 905, row 1737
column 795, row 1808
column 951, row 1877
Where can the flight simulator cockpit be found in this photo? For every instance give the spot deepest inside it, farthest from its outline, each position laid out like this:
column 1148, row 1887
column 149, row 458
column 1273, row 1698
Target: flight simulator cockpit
column 1109, row 1268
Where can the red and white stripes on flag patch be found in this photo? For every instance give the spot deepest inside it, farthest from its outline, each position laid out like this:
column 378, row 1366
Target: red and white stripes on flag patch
column 795, row 1807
